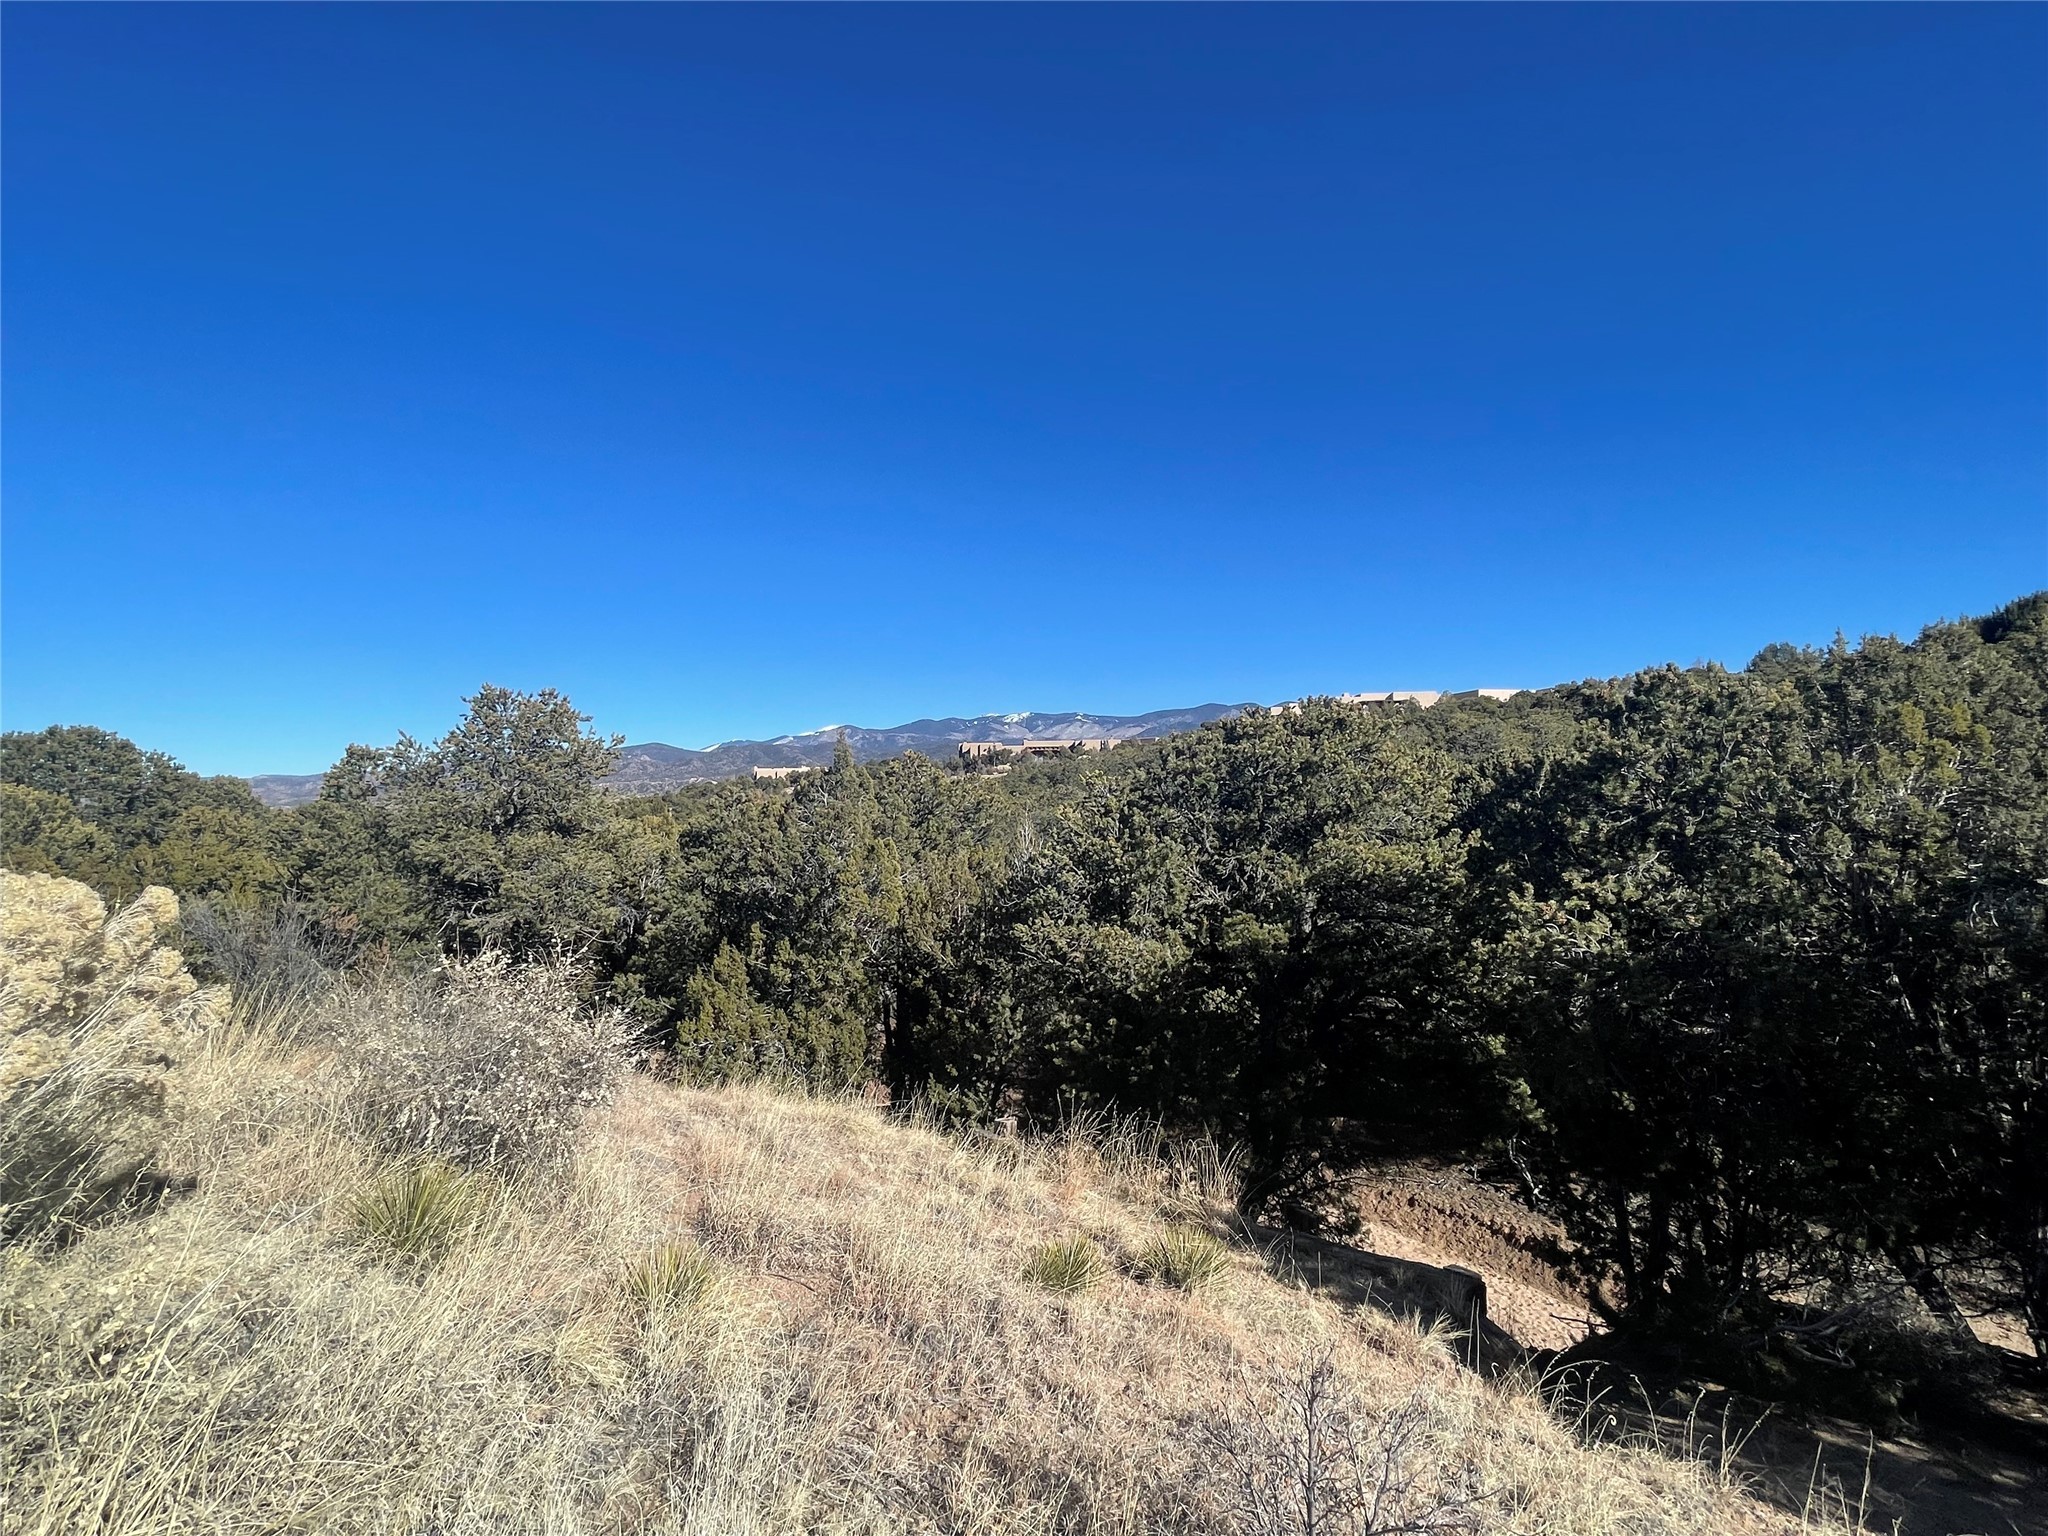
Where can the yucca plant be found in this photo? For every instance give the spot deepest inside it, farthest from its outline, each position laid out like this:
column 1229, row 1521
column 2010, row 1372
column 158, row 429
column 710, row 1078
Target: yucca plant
column 1184, row 1257
column 417, row 1213
column 670, row 1275
column 1067, row 1265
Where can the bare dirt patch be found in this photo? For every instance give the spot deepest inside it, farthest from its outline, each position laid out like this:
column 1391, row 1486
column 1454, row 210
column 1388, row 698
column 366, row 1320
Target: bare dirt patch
column 1444, row 1216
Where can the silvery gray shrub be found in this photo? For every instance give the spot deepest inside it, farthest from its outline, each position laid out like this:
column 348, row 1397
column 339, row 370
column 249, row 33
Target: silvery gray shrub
column 484, row 1064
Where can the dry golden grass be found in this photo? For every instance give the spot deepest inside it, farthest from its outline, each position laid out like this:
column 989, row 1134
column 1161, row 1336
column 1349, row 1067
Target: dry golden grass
column 867, row 1355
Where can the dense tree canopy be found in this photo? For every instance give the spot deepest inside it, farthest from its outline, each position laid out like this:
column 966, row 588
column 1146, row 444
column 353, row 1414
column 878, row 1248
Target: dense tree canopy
column 1744, row 974
column 149, row 819
column 1253, row 929
column 500, row 833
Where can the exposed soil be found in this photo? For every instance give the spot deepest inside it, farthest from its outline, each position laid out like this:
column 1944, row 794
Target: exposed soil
column 1444, row 1216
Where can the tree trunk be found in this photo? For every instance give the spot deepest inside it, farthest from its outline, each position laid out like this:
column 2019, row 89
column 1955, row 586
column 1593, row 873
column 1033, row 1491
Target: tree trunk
column 1929, row 1286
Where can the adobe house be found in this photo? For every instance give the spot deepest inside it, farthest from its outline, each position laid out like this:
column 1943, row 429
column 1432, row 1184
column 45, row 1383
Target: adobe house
column 987, row 749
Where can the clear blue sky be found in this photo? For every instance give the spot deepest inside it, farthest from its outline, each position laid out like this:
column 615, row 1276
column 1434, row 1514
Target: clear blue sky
column 740, row 370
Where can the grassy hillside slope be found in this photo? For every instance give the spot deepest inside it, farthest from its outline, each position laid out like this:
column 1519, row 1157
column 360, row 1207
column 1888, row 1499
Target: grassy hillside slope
column 865, row 1353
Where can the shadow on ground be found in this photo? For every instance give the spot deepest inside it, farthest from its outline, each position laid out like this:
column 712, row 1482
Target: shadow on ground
column 1427, row 1294
column 1988, row 1477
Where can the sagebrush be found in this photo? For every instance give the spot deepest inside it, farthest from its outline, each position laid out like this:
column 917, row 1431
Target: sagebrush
column 485, row 1063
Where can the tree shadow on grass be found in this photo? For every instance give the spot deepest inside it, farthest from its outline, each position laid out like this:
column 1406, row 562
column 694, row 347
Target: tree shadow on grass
column 1425, row 1294
column 1987, row 1477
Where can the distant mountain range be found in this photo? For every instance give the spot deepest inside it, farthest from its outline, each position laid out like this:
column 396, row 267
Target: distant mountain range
column 286, row 788
column 654, row 767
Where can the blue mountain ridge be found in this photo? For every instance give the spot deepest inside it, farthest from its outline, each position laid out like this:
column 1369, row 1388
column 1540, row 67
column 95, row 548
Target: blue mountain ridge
column 652, row 767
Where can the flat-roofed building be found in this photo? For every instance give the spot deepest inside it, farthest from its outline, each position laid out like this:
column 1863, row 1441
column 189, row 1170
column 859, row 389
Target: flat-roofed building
column 1387, row 698
column 1421, row 698
column 778, row 773
column 981, row 749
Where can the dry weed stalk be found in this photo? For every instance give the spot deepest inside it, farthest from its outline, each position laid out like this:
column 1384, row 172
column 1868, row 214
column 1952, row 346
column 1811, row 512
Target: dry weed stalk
column 1311, row 1460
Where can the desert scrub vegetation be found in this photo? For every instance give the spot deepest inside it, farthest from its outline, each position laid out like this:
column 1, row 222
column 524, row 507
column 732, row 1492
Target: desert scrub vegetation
column 278, row 964
column 1066, row 1266
column 482, row 1063
column 418, row 1213
column 93, row 1014
column 671, row 1274
column 862, row 1352
column 1184, row 1257
column 1302, row 1455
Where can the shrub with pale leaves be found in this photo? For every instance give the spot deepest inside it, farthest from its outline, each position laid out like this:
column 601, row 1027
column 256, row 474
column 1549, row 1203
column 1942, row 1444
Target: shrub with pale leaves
column 93, row 1014
column 486, row 1064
